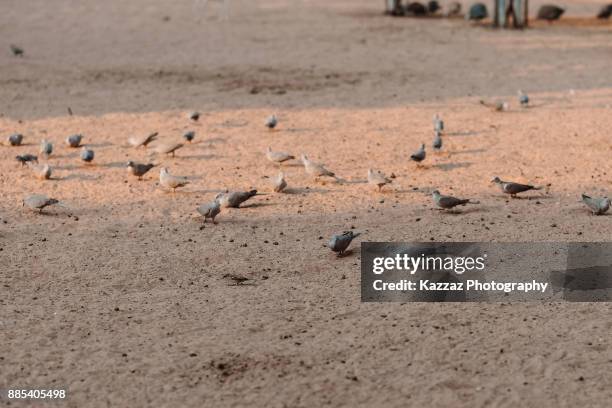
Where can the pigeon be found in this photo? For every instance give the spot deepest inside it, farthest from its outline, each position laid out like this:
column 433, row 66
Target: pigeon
column 378, row 179
column 170, row 181
column 437, row 142
column 17, row 51
column 416, row 9
column 511, row 188
column 477, row 12
column 195, row 116
column 498, row 106
column 235, row 198
column 189, row 136
column 41, row 171
column 278, row 157
column 454, row 9
column 550, row 12
column 271, row 122
column 523, row 99
column 419, row 155
column 142, row 140
column 25, row 158
column 168, row 148
column 340, row 242
column 15, row 140
column 87, row 155
column 605, row 12
column 139, row 169
column 38, row 202
column 210, row 210
column 433, row 6
column 279, row 183
column 447, row 202
column 74, row 140
column 315, row 169
column 438, row 123
column 598, row 206
column 46, row 148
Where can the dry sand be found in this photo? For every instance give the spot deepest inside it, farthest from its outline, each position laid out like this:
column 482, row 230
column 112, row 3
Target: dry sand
column 120, row 297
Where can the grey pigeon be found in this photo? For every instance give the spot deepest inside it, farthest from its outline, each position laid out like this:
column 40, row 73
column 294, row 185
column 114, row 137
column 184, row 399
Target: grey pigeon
column 340, row 242
column 447, row 202
column 168, row 148
column 523, row 98
column 87, row 155
column 438, row 123
column 74, row 140
column 189, row 136
column 38, row 202
column 233, row 199
column 315, row 169
column 271, row 122
column 419, row 155
column 142, row 140
column 170, row 181
column 598, row 206
column 17, row 51
column 278, row 157
column 550, row 12
column 46, row 148
column 15, row 139
column 477, row 12
column 433, row 6
column 210, row 210
column 437, row 142
column 195, row 116
column 512, row 188
column 41, row 171
column 605, row 12
column 498, row 106
column 279, row 183
column 139, row 169
column 24, row 158
column 377, row 178
column 416, row 9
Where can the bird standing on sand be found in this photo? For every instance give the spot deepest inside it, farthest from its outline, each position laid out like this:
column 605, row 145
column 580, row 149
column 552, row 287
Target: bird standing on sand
column 278, row 157
column 512, row 188
column 419, row 155
column 46, row 148
column 446, row 202
column 234, row 199
column 279, row 183
column 41, row 171
column 15, row 139
column 139, row 169
column 25, row 158
column 137, row 141
column 38, row 202
column 168, row 148
column 378, row 179
column 437, row 142
column 87, row 155
column 171, row 181
column 477, row 12
column 340, row 242
column 74, row 141
column 195, row 116
column 523, row 98
column 433, row 6
column 314, row 169
column 550, row 12
column 438, row 123
column 598, row 206
column 271, row 122
column 17, row 51
column 189, row 136
column 210, row 210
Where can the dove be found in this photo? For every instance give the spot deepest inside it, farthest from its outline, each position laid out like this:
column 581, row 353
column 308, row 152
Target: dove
column 477, row 12
column 195, row 116
column 340, row 242
column 233, row 199
column 24, row 158
column 15, row 139
column 74, row 140
column 433, row 6
column 438, row 123
column 377, row 178
column 168, row 148
column 271, row 122
column 46, row 148
column 419, row 155
column 137, row 141
column 210, row 210
column 447, row 202
column 17, row 51
column 437, row 142
column 523, row 98
column 550, row 12
column 498, row 106
column 315, row 169
column 189, row 136
column 87, row 155
column 139, row 169
column 511, row 188
column 41, row 171
column 279, row 183
column 278, row 157
column 605, row 12
column 598, row 206
column 415, row 9
column 170, row 181
column 38, row 202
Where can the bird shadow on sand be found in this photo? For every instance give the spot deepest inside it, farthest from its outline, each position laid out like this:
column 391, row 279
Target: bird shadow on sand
column 97, row 145
column 304, row 190
column 466, row 133
column 467, row 151
column 451, row 166
column 114, row 164
column 79, row 176
column 357, row 181
column 301, row 130
column 465, row 210
column 199, row 157
column 213, row 140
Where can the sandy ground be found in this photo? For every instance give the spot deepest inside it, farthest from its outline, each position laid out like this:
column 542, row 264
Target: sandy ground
column 119, row 296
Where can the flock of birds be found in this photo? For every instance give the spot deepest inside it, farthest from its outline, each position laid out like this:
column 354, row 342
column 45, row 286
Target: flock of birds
column 234, row 199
